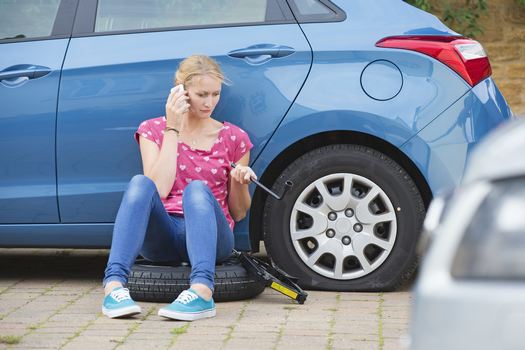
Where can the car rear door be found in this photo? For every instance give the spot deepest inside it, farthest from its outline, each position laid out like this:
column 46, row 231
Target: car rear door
column 119, row 70
column 33, row 40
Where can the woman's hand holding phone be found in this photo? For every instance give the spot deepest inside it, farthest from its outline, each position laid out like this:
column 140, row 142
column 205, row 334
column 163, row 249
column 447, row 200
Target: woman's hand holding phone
column 177, row 107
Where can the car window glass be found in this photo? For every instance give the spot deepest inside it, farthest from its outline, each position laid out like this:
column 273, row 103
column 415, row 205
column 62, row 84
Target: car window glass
column 118, row 15
column 311, row 8
column 20, row 19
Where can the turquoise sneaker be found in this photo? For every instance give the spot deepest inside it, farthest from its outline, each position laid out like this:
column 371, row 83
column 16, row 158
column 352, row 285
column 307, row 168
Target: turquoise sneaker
column 189, row 307
column 118, row 303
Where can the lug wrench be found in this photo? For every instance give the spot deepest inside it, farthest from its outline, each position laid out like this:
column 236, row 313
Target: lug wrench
column 287, row 186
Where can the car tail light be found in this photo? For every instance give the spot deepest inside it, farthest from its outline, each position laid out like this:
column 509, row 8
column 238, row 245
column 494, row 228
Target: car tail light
column 465, row 56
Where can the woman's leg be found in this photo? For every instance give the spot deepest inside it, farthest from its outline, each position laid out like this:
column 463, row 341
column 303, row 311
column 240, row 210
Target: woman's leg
column 141, row 222
column 208, row 235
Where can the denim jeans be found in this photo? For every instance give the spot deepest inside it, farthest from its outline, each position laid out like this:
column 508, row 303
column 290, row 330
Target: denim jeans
column 201, row 237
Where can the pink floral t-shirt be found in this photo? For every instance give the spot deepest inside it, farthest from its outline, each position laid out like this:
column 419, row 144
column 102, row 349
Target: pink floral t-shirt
column 210, row 166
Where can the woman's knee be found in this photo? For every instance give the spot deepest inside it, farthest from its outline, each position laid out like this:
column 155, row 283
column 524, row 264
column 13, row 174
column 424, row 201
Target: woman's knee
column 140, row 187
column 196, row 190
column 197, row 197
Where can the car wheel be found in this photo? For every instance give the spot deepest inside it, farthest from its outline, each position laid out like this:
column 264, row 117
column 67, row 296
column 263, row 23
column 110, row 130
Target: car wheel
column 349, row 223
column 161, row 283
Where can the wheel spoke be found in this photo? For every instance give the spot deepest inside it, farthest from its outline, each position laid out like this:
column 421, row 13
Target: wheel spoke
column 367, row 268
column 366, row 217
column 338, row 269
column 323, row 248
column 315, row 213
column 370, row 196
column 319, row 227
column 385, row 245
column 337, row 202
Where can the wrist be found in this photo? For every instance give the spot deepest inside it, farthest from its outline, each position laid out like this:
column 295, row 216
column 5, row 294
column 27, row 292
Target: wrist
column 171, row 129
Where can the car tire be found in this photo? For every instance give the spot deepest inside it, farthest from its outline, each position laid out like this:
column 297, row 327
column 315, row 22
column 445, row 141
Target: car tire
column 376, row 255
column 162, row 283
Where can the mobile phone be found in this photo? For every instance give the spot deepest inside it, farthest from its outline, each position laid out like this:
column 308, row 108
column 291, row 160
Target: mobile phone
column 177, row 88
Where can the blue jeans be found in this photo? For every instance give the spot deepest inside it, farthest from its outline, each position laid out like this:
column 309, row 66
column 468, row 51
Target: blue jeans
column 201, row 237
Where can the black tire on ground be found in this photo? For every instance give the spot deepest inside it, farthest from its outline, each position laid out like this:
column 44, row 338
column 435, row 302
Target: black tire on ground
column 297, row 256
column 162, row 284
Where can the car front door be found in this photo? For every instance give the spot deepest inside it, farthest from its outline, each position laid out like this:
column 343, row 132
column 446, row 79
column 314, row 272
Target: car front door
column 119, row 70
column 33, row 41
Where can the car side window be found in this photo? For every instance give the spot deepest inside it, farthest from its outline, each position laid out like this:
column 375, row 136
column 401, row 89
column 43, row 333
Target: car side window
column 22, row 19
column 311, row 7
column 120, row 15
column 316, row 11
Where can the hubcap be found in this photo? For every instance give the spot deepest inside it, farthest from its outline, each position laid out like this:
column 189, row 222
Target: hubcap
column 343, row 226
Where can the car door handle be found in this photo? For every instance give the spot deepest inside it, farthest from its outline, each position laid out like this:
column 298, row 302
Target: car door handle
column 268, row 50
column 24, row 71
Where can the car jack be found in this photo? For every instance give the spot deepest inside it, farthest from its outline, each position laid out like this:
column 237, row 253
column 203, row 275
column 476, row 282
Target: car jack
column 273, row 277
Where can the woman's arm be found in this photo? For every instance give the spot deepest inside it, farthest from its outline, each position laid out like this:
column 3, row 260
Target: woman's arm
column 239, row 200
column 160, row 165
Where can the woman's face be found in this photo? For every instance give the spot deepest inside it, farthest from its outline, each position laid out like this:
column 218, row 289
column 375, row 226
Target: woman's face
column 204, row 92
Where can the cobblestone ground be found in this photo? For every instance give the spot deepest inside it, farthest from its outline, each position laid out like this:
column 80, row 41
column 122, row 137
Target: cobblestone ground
column 51, row 299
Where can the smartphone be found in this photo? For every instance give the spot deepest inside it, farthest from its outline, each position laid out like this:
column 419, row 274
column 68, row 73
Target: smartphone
column 177, row 88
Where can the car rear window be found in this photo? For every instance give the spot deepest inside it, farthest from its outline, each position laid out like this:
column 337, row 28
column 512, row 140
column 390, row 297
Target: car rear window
column 22, row 19
column 121, row 15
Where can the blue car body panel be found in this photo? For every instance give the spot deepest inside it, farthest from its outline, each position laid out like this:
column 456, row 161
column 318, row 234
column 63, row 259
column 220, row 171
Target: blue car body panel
column 442, row 148
column 27, row 121
column 334, row 80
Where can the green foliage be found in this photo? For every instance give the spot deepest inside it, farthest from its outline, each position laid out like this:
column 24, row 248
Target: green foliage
column 462, row 18
column 10, row 339
column 424, row 4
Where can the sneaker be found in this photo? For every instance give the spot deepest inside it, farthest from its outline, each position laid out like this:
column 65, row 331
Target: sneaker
column 189, row 307
column 118, row 303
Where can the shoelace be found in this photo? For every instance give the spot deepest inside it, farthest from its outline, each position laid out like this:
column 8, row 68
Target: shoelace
column 120, row 294
column 186, row 296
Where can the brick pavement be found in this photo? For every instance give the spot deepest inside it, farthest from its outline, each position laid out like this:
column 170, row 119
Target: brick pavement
column 51, row 299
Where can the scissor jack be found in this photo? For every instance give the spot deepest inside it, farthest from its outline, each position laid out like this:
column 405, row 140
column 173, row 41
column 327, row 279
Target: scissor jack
column 272, row 276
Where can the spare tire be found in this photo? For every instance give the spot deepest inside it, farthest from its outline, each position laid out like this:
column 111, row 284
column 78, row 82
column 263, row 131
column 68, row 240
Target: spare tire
column 163, row 283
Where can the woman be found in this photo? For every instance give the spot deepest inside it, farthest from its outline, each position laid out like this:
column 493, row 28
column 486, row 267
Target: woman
column 184, row 206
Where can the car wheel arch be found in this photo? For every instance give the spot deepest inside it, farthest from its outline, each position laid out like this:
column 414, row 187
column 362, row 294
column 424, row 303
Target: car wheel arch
column 311, row 142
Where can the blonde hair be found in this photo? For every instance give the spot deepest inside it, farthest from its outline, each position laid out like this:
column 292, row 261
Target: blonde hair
column 196, row 65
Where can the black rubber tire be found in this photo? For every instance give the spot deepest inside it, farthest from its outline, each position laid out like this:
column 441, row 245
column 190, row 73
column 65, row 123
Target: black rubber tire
column 366, row 162
column 162, row 284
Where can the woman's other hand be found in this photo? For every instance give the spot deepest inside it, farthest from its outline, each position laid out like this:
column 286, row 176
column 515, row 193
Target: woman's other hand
column 243, row 174
column 177, row 107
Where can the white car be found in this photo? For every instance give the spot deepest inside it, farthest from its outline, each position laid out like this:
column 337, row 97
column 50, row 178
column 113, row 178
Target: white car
column 470, row 293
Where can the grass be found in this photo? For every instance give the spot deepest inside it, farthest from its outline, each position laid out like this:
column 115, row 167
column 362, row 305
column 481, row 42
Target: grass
column 177, row 331
column 232, row 326
column 180, row 330
column 380, row 321
column 10, row 339
column 331, row 323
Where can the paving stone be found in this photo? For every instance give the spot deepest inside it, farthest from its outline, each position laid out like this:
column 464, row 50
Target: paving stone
column 196, row 345
column 141, row 344
column 101, row 344
column 243, row 344
column 303, row 341
column 68, row 307
column 41, row 340
column 219, row 331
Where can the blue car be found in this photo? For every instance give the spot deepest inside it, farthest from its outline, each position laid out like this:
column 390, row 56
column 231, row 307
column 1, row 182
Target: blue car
column 368, row 107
